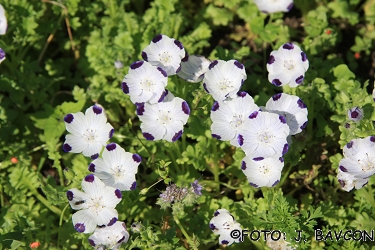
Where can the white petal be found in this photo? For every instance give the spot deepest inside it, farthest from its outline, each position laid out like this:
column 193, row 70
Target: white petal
column 93, row 149
column 106, row 216
column 95, row 117
column 93, row 186
column 77, row 144
column 271, row 6
column 77, row 199
column 84, row 221
column 78, row 124
column 3, row 21
column 193, row 69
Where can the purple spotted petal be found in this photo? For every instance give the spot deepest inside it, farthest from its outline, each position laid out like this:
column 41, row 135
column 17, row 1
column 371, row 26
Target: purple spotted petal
column 118, row 193
column 69, row 195
column 343, row 169
column 212, row 226
column 111, row 146
column 92, row 167
column 241, row 94
column 288, row 46
column 178, row 69
column 157, row 38
column 121, row 240
column 224, row 242
column 186, row 58
column 162, row 96
column 97, row 110
column 303, row 56
column 68, row 118
column 271, row 59
column 136, row 158
column 67, row 147
column 282, row 119
column 216, row 213
column 80, row 227
column 136, row 64
column 179, row 44
column 111, row 133
column 162, row 71
column 243, row 165
column 185, row 108
column 238, row 64
column 290, row 6
column 125, row 87
column 285, row 149
column 349, row 144
column 276, row 182
column 112, row 221
column 303, row 125
column 342, row 183
column 253, row 184
column 258, row 158
column 253, row 115
column 372, row 138
column 281, row 159
column 205, row 87
column 144, row 56
column 140, row 108
column 148, row 136
column 94, row 156
column 240, row 140
column 215, row 106
column 276, row 97
column 301, row 104
column 91, row 242
column 276, row 82
column 216, row 136
column 299, row 79
column 133, row 186
column 177, row 135
column 90, row 178
column 213, row 64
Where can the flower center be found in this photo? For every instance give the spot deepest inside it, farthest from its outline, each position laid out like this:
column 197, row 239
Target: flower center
column 237, row 121
column 117, row 172
column 89, row 135
column 96, row 205
column 289, row 64
column 264, row 169
column 226, row 84
column 265, row 137
column 164, row 117
column 147, row 84
column 165, row 57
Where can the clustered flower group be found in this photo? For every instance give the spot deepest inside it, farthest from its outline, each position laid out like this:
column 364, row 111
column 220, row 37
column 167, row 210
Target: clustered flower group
column 112, row 173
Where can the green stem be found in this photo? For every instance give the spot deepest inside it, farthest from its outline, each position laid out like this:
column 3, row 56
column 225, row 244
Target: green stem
column 43, row 200
column 189, row 240
column 60, row 223
column 285, row 175
column 215, row 165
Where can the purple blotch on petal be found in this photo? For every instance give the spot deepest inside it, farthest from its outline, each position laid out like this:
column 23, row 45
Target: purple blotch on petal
column 157, row 38
column 299, row 79
column 212, row 226
column 349, row 144
column 94, row 156
column 176, row 136
column 66, row 147
column 240, row 140
column 2, row 53
column 253, row 184
column 354, row 114
column 282, row 119
column 253, row 115
column 276, row 182
column 69, row 195
column 304, row 125
column 125, row 87
column 112, row 221
column 288, row 46
column 91, row 242
column 205, row 87
column 285, row 149
column 162, row 96
column 241, row 94
column 290, row 6
column 224, row 242
column 179, row 44
column 68, row 118
column 271, row 59
column 118, row 193
column 133, row 186
column 215, row 106
column 242, row 81
column 365, row 184
column 216, row 136
column 213, row 64
column 140, row 108
column 342, row 183
column 243, row 165
column 372, row 138
column 136, row 64
column 301, row 104
column 185, row 108
column 277, row 96
column 92, row 167
column 178, row 69
column 258, row 158
column 343, row 169
column 111, row 146
column 80, row 227
column 281, row 159
column 137, row 158
column 216, row 213
column 148, row 136
column 90, row 178
column 162, row 71
column 276, row 82
column 238, row 64
column 111, row 133
column 121, row 240
column 97, row 110
column 186, row 58
column 144, row 56
column 303, row 56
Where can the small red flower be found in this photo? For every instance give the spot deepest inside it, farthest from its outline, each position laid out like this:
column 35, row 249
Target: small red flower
column 357, row 55
column 328, row 32
column 35, row 244
column 14, row 160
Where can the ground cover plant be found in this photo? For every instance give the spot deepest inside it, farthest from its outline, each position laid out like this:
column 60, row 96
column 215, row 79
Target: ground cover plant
column 133, row 124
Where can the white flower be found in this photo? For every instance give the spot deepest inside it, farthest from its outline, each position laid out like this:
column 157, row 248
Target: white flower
column 193, row 68
column 163, row 120
column 292, row 107
column 224, row 79
column 96, row 204
column 110, row 237
column 373, row 92
column 145, row 83
column 166, row 53
column 359, row 158
column 287, row 65
column 355, row 114
column 116, row 168
column 2, row 55
column 348, row 181
column 3, row 21
column 272, row 6
column 223, row 223
column 228, row 117
column 280, row 244
column 89, row 132
column 262, row 172
column 267, row 136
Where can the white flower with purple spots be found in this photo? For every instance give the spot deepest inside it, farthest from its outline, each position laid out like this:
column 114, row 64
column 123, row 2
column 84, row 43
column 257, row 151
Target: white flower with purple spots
column 348, row 181
column 3, row 21
column 224, row 79
column 223, row 223
column 163, row 120
column 262, row 172
column 287, row 65
column 359, row 158
column 89, row 132
column 116, row 168
column 2, row 55
column 166, row 53
column 193, row 68
column 228, row 117
column 373, row 93
column 109, row 237
column 272, row 6
column 145, row 83
column 355, row 114
column 267, row 136
column 96, row 204
column 292, row 108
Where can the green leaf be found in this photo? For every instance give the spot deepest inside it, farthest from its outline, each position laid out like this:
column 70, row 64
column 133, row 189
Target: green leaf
column 343, row 72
